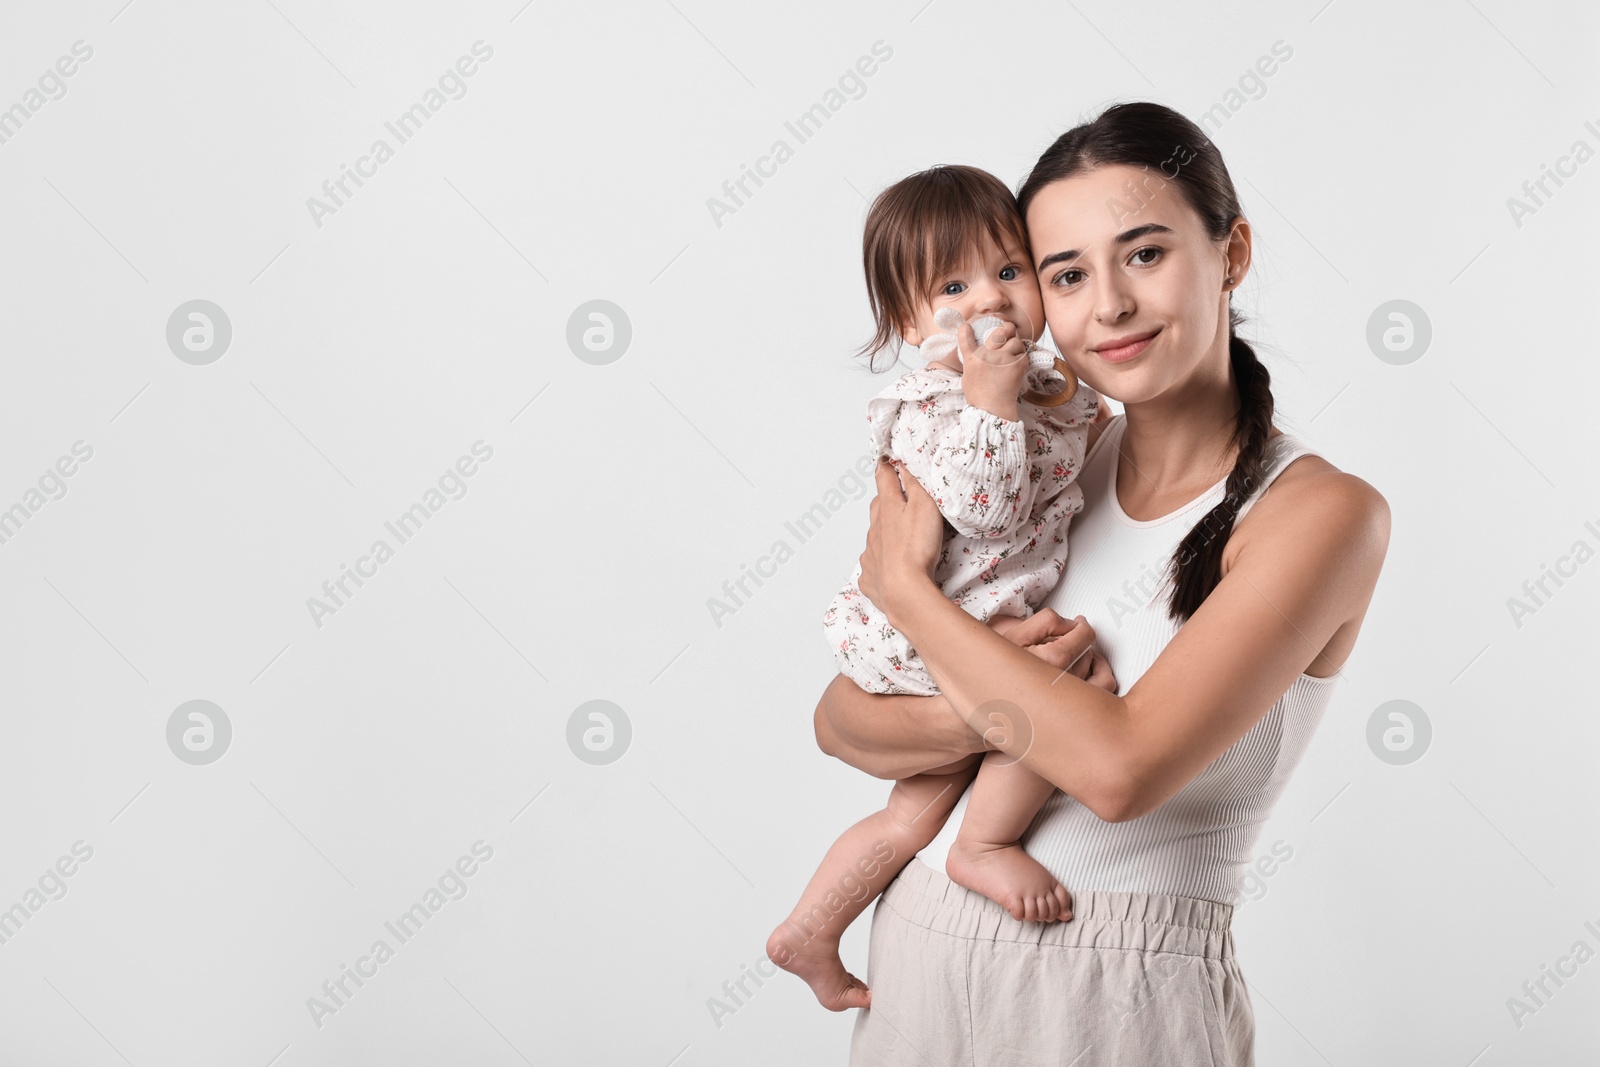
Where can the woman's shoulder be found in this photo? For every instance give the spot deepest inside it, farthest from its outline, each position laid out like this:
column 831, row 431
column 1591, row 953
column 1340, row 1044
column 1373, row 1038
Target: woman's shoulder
column 1309, row 480
column 1310, row 493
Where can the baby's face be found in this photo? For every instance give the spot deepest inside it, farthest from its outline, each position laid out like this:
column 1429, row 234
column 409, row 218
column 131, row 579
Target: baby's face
column 993, row 281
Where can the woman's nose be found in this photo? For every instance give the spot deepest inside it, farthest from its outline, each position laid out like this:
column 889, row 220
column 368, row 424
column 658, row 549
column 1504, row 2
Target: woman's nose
column 1115, row 303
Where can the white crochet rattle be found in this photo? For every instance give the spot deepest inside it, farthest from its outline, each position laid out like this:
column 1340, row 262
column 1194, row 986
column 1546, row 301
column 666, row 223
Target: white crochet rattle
column 1049, row 381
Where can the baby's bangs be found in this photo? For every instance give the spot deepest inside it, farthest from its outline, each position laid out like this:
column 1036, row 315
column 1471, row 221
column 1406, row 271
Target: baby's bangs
column 951, row 235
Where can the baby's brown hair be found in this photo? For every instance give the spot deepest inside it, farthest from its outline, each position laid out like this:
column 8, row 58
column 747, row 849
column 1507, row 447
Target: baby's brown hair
column 921, row 228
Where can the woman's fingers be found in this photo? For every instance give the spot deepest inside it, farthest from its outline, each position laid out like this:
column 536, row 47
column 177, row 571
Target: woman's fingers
column 904, row 535
column 1067, row 644
column 1100, row 673
column 888, row 479
column 1003, row 624
column 1080, row 667
column 1028, row 631
column 1068, row 651
column 1042, row 626
column 917, row 496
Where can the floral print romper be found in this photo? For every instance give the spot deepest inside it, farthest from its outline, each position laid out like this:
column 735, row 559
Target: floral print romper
column 1007, row 489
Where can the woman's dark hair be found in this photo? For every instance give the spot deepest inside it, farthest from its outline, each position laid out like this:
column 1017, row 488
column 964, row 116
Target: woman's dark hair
column 1154, row 137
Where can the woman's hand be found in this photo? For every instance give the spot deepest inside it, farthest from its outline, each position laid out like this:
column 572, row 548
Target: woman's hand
column 903, row 540
column 1067, row 644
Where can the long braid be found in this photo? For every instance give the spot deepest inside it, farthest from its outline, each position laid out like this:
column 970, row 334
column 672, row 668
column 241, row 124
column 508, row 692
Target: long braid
column 1196, row 566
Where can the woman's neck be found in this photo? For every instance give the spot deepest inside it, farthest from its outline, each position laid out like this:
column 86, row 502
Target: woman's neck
column 1179, row 443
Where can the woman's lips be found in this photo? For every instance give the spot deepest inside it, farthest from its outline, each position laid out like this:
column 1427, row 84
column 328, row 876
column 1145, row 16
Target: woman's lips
column 1126, row 352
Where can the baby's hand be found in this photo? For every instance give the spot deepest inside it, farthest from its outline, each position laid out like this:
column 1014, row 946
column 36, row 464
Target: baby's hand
column 1067, row 644
column 992, row 372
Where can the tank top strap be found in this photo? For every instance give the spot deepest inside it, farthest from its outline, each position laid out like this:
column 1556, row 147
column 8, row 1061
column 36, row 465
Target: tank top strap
column 1280, row 452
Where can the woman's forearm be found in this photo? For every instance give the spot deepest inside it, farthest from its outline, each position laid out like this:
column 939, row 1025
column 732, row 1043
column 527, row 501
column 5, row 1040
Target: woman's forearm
column 891, row 736
column 1064, row 729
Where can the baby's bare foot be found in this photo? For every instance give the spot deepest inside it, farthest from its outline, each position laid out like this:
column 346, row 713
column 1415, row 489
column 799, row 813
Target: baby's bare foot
column 1011, row 878
column 816, row 962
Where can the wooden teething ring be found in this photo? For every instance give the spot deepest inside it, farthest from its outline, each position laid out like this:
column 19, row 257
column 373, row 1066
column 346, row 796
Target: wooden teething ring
column 1051, row 400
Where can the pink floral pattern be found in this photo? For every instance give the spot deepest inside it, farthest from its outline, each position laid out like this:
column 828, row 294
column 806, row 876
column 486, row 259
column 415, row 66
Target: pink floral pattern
column 1007, row 489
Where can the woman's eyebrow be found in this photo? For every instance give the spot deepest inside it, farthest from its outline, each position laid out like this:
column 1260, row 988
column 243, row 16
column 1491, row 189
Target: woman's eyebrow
column 1122, row 238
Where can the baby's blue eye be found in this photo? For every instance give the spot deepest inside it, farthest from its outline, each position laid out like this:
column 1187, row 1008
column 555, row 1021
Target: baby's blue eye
column 1008, row 274
column 954, row 288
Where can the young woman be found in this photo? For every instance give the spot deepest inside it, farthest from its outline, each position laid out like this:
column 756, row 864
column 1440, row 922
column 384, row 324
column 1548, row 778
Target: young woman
column 1224, row 610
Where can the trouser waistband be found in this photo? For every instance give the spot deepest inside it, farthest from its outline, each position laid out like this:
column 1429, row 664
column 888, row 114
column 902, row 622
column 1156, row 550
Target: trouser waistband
column 1150, row 922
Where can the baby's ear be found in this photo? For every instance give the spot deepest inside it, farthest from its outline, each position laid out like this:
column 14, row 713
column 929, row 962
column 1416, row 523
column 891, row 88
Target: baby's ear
column 911, row 335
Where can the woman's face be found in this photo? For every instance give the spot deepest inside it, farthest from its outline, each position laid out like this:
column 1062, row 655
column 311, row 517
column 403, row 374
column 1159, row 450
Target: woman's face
column 1133, row 288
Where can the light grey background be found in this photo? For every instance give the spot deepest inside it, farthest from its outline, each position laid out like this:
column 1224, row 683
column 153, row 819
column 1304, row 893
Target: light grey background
column 430, row 312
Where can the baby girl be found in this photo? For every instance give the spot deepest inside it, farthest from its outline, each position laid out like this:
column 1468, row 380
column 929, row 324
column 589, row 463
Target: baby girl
column 946, row 251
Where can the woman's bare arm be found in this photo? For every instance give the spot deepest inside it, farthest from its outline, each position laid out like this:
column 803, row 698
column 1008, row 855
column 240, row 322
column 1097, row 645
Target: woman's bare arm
column 891, row 736
column 898, row 736
column 1298, row 583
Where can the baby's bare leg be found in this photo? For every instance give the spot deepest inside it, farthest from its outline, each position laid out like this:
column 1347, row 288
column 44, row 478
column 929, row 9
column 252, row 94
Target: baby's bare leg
column 855, row 870
column 986, row 857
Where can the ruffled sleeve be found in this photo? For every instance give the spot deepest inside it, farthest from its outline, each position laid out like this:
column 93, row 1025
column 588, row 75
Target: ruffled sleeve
column 972, row 462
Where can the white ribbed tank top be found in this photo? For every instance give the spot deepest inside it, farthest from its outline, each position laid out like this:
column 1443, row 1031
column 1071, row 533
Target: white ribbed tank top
column 1197, row 843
